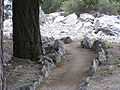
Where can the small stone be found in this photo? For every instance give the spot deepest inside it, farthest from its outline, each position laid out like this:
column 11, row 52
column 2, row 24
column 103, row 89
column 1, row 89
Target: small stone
column 86, row 43
column 67, row 40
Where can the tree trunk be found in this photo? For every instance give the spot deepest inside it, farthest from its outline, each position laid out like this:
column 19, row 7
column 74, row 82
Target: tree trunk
column 26, row 32
column 2, row 62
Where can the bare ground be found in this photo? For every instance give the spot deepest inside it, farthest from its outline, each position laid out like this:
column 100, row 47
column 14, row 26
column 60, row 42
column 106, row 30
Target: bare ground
column 108, row 77
column 68, row 76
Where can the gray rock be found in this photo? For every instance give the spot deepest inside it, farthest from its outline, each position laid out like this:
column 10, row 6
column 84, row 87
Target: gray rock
column 59, row 47
column 66, row 40
column 101, row 52
column 83, row 85
column 86, row 43
column 98, row 44
column 106, row 31
column 53, row 49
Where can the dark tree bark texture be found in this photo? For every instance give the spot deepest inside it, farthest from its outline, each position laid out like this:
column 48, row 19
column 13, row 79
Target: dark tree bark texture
column 26, row 31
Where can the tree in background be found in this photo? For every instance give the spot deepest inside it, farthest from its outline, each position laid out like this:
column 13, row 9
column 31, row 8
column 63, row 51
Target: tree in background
column 83, row 6
column 79, row 6
column 49, row 6
column 26, row 32
column 71, row 6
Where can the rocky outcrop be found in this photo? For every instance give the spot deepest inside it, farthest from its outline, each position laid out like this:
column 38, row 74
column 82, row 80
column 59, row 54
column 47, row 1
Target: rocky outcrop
column 59, row 26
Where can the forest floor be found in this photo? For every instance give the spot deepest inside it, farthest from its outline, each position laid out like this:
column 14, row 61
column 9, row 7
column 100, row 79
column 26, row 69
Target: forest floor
column 68, row 75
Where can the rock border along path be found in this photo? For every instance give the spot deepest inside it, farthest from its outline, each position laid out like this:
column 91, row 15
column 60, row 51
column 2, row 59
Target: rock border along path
column 68, row 76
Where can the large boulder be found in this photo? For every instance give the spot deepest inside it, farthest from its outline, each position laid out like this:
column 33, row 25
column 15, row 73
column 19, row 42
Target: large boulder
column 71, row 19
column 108, row 25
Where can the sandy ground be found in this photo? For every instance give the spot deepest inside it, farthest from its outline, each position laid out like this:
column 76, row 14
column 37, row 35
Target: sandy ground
column 68, row 75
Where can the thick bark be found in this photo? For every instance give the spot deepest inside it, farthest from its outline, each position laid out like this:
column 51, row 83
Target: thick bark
column 2, row 65
column 26, row 33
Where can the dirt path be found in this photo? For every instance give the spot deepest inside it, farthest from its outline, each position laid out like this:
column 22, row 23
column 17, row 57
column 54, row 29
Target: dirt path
column 68, row 76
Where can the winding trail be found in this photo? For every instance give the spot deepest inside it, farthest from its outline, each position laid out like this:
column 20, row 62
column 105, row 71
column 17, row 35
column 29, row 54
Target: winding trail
column 68, row 75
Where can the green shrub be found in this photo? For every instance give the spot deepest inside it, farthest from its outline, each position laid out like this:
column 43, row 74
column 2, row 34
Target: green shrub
column 71, row 6
column 108, row 45
column 81, row 6
column 78, row 6
column 49, row 6
column 107, row 6
column 116, row 6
